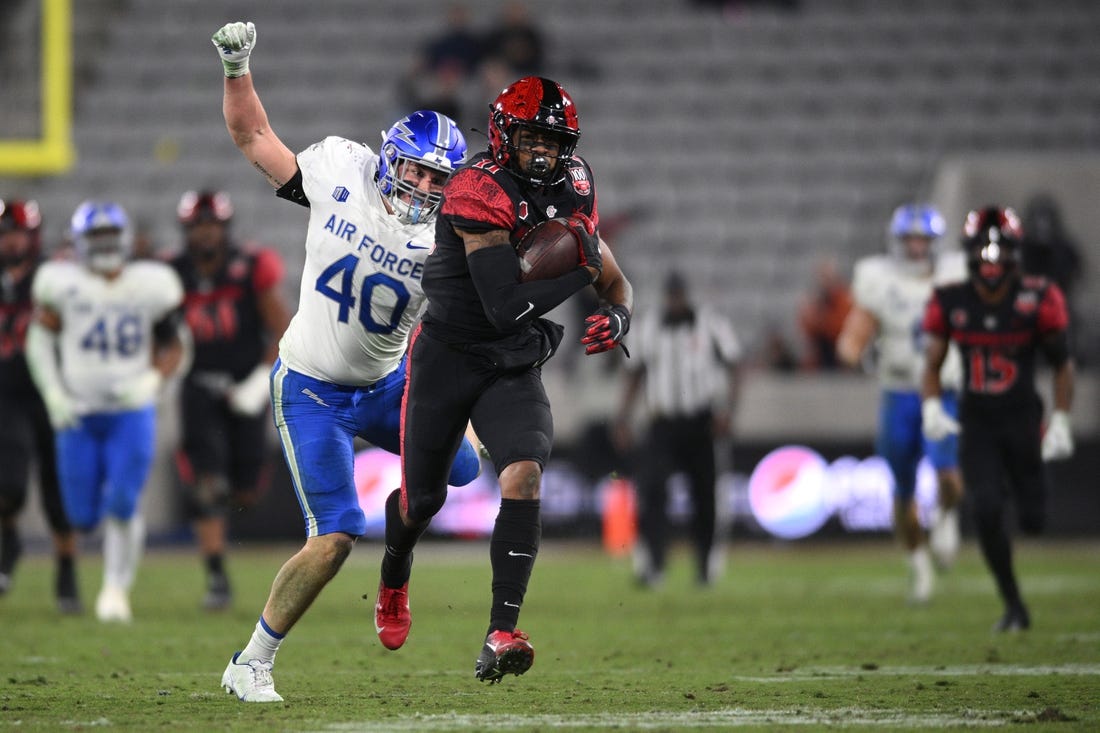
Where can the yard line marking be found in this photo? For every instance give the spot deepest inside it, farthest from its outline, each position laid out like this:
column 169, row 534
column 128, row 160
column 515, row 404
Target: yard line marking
column 726, row 718
column 801, row 674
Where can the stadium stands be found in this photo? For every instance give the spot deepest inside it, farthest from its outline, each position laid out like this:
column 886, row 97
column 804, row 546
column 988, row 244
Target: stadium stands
column 746, row 144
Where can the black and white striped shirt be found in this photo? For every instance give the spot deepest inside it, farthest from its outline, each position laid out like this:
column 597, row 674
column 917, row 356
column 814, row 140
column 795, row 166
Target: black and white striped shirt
column 686, row 362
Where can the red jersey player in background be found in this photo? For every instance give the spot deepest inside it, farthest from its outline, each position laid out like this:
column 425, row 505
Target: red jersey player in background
column 25, row 432
column 1001, row 319
column 236, row 315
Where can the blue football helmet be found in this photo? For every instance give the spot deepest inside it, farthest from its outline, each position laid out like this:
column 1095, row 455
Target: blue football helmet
column 917, row 220
column 102, row 235
column 426, row 138
column 909, row 224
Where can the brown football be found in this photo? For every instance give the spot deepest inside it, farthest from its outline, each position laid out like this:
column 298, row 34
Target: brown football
column 549, row 250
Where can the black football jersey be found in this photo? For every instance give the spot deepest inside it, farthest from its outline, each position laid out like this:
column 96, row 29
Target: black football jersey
column 491, row 198
column 222, row 312
column 16, row 312
column 998, row 341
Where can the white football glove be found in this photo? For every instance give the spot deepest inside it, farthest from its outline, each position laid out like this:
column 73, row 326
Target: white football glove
column 935, row 422
column 138, row 391
column 61, row 409
column 1058, row 439
column 235, row 42
column 251, row 396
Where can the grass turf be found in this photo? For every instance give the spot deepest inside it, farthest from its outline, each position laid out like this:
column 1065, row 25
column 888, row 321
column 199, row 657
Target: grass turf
column 800, row 636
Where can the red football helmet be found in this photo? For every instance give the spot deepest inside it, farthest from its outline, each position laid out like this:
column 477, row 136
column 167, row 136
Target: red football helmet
column 992, row 237
column 196, row 206
column 540, row 104
column 23, row 216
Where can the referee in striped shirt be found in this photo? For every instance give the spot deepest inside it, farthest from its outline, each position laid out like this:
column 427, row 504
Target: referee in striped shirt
column 686, row 358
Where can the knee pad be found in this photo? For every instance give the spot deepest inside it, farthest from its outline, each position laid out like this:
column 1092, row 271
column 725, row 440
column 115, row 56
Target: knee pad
column 424, row 506
column 207, row 497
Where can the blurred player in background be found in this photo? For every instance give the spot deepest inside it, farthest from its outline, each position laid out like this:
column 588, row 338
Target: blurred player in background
column 236, row 314
column 1000, row 320
column 890, row 294
column 105, row 336
column 341, row 367
column 687, row 358
column 25, row 433
column 478, row 355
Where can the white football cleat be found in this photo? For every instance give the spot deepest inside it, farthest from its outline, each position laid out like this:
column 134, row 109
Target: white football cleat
column 250, row 681
column 921, row 575
column 943, row 537
column 113, row 605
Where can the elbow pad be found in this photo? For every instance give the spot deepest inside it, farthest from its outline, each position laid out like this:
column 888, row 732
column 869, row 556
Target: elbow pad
column 508, row 303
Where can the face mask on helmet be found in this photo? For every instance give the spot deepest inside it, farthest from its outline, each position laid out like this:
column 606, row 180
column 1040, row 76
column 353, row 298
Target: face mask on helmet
column 205, row 217
column 19, row 232
column 534, row 109
column 992, row 239
column 419, row 153
column 102, row 236
column 914, row 229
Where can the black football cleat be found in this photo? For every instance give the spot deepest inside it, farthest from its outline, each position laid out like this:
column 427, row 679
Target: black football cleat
column 505, row 652
column 1016, row 618
column 219, row 594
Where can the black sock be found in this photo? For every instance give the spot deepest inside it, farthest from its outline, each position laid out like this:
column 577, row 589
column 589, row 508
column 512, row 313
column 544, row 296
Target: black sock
column 997, row 550
column 215, row 564
column 10, row 548
column 66, row 576
column 512, row 552
column 400, row 541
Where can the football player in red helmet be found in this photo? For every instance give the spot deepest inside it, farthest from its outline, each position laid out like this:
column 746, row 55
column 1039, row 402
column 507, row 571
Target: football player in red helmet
column 483, row 344
column 25, row 432
column 1001, row 321
column 236, row 314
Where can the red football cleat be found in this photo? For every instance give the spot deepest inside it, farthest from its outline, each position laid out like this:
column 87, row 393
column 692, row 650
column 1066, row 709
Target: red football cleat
column 505, row 652
column 391, row 615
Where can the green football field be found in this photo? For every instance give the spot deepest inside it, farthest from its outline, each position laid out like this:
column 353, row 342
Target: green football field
column 801, row 636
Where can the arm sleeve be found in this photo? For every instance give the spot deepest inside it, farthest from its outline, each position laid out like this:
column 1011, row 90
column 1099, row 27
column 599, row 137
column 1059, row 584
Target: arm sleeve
column 166, row 330
column 294, row 190
column 508, row 303
column 934, row 322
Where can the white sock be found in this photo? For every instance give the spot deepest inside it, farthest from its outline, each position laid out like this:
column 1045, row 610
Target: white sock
column 123, row 541
column 135, row 544
column 263, row 645
column 114, row 541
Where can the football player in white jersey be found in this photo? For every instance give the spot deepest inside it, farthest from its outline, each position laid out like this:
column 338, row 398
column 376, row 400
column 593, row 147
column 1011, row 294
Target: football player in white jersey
column 105, row 336
column 890, row 292
column 341, row 367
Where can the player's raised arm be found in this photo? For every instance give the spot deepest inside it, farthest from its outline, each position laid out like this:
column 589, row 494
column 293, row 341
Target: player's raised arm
column 245, row 116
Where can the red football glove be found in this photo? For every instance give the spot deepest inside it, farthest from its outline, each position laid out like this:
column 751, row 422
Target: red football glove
column 589, row 241
column 605, row 329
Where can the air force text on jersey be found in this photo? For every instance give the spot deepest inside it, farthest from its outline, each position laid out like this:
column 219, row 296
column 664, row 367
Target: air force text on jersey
column 382, row 257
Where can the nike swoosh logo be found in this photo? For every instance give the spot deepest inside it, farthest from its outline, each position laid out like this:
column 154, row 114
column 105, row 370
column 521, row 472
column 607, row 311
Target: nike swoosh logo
column 410, row 245
column 513, row 605
column 530, row 307
column 379, row 629
column 513, row 553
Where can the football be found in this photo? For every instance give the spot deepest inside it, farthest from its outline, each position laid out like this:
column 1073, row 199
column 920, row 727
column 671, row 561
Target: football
column 549, row 250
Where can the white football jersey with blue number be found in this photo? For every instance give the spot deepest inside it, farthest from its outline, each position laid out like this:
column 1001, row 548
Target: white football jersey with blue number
column 361, row 288
column 106, row 333
column 896, row 297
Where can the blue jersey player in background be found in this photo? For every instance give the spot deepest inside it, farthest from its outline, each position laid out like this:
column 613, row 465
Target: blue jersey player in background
column 890, row 292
